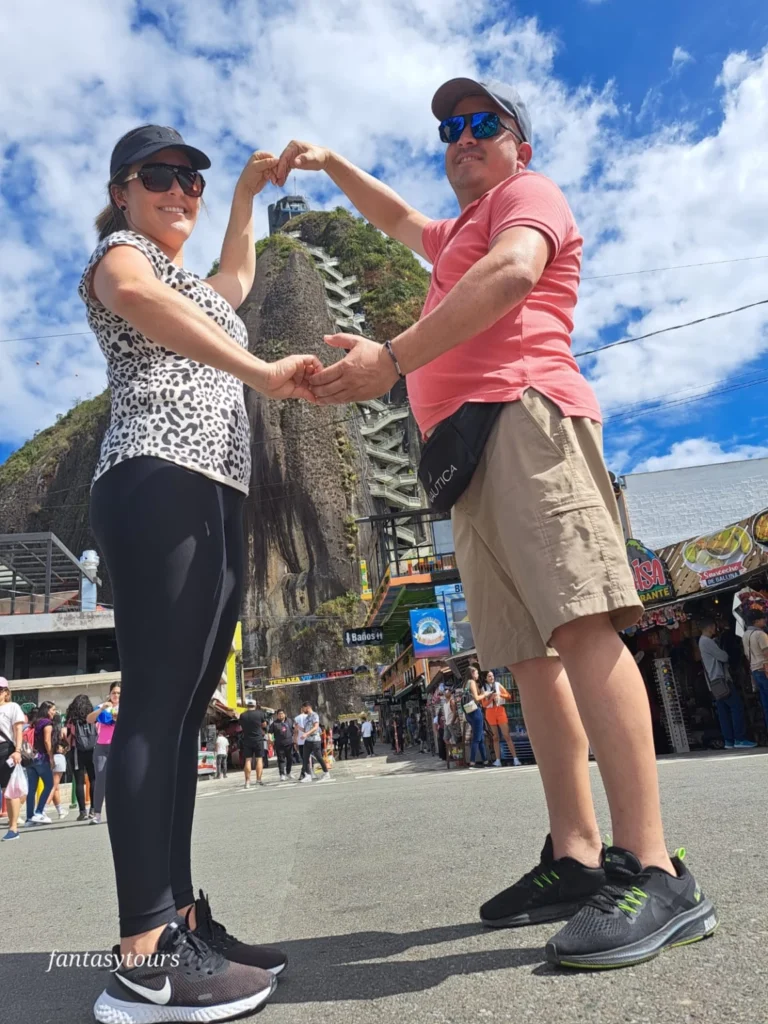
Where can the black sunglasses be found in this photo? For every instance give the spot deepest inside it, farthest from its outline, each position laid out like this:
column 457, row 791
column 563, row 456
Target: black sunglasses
column 160, row 177
column 483, row 125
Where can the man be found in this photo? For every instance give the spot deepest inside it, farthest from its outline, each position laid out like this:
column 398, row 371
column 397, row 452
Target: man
column 222, row 753
column 310, row 740
column 730, row 709
column 366, row 728
column 343, row 741
column 252, row 723
column 537, row 532
column 282, row 733
column 755, row 641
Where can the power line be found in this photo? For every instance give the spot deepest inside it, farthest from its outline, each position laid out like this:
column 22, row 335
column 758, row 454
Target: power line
column 662, row 407
column 679, row 266
column 595, row 277
column 675, row 327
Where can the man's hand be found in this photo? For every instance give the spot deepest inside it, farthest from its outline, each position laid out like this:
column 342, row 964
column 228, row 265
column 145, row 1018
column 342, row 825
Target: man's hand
column 367, row 371
column 289, row 378
column 300, row 156
column 258, row 171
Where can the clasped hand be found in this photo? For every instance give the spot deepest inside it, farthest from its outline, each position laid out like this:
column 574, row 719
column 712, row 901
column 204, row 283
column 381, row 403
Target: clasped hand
column 367, row 371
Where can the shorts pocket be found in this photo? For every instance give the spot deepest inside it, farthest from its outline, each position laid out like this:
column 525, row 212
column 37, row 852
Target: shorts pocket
column 576, row 505
column 546, row 418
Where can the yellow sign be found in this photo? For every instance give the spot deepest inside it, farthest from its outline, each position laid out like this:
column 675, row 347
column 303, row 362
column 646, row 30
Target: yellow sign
column 365, row 590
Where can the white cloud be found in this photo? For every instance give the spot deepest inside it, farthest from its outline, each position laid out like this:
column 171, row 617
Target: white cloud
column 680, row 57
column 699, row 451
column 359, row 77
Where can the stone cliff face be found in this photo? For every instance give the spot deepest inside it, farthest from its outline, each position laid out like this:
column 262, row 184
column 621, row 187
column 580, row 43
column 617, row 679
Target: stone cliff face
column 311, row 478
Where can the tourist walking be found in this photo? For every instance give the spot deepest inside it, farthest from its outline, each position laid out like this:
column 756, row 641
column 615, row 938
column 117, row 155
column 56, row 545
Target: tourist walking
column 514, row 449
column 366, row 731
column 43, row 736
column 167, row 513
column 312, row 748
column 104, row 718
column 11, row 729
column 82, row 736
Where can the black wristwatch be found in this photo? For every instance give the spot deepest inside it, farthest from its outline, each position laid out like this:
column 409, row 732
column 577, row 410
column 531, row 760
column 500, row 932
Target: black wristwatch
column 393, row 357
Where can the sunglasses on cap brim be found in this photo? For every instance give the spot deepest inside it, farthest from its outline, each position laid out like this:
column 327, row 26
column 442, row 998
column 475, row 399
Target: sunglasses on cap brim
column 160, row 178
column 483, row 125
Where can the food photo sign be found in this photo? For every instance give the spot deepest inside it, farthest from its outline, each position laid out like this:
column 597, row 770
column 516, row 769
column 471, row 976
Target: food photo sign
column 701, row 563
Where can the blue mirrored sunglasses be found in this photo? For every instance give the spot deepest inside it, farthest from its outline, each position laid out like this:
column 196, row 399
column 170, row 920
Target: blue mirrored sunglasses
column 483, row 125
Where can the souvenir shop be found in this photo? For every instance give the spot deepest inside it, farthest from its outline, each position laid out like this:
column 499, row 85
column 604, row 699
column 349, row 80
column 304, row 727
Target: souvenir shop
column 683, row 585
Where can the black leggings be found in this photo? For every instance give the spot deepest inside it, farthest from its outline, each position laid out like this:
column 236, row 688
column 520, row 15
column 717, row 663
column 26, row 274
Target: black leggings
column 82, row 765
column 173, row 543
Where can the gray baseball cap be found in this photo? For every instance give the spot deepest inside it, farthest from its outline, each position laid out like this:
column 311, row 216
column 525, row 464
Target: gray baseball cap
column 449, row 94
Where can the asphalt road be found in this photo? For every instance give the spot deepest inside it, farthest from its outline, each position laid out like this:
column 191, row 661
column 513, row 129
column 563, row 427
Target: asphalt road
column 372, row 885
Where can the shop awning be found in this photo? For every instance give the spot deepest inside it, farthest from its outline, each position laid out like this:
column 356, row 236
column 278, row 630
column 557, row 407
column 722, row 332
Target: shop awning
column 408, row 691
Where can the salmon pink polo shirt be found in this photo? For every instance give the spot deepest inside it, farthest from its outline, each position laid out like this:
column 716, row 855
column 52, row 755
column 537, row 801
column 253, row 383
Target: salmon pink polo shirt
column 530, row 346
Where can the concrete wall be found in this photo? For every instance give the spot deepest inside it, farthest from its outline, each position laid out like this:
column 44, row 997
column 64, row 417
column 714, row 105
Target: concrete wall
column 56, row 622
column 674, row 504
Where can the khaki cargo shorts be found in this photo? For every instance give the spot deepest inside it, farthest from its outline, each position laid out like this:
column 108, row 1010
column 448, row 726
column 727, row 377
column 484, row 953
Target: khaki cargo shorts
column 538, row 536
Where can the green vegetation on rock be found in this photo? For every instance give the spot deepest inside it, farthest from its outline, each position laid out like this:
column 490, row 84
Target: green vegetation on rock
column 392, row 282
column 44, row 451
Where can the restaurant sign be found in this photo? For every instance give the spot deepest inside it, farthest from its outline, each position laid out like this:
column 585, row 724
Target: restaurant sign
column 651, row 580
column 700, row 563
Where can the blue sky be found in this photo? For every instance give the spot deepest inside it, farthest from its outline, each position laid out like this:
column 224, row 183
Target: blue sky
column 653, row 119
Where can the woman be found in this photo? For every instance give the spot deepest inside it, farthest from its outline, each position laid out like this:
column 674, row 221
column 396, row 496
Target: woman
column 166, row 509
column 82, row 737
column 59, row 770
column 473, row 713
column 104, row 718
column 496, row 716
column 45, row 737
column 11, row 728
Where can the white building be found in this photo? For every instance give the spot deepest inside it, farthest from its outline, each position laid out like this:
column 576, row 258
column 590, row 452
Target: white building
column 671, row 505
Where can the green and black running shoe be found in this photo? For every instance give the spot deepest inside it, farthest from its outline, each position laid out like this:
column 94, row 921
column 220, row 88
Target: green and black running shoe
column 554, row 890
column 637, row 914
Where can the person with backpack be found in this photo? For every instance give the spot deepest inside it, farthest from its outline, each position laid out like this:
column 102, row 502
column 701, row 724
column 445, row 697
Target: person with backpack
column 82, row 742
column 38, row 748
column 104, row 717
column 730, row 709
column 11, row 729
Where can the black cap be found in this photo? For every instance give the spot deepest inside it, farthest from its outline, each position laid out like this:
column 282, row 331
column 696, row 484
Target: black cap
column 142, row 142
column 507, row 97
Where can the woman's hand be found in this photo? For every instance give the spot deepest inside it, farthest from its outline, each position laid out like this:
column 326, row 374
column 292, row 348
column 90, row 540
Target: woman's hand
column 259, row 170
column 300, row 156
column 289, row 377
column 16, row 757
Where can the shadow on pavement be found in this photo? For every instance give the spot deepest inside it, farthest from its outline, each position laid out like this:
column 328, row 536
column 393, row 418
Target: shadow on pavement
column 338, row 967
column 323, row 969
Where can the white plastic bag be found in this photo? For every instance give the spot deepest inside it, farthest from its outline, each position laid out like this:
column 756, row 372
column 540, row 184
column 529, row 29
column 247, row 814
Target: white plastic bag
column 17, row 786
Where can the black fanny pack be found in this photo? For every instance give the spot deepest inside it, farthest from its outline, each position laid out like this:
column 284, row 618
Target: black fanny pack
column 453, row 452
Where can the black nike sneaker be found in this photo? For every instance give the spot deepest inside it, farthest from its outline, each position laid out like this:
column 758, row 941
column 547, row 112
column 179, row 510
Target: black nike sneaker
column 637, row 914
column 182, row 981
column 554, row 890
column 217, row 938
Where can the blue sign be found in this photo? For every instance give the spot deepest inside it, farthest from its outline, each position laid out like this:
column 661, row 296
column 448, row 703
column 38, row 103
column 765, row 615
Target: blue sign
column 430, row 633
column 451, row 596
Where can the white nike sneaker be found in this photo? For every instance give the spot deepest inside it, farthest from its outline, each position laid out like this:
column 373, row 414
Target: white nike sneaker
column 283, row 778
column 63, row 812
column 517, row 762
column 41, row 819
column 183, row 981
column 325, row 777
column 497, row 763
column 307, row 778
